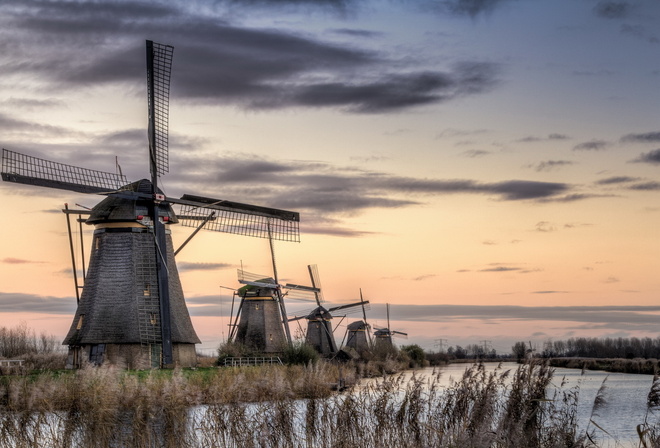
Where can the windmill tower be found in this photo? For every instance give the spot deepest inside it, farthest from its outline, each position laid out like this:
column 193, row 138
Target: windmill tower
column 132, row 311
column 261, row 326
column 384, row 336
column 319, row 333
column 358, row 335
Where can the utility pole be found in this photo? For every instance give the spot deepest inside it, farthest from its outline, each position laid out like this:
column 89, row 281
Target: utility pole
column 440, row 344
column 486, row 345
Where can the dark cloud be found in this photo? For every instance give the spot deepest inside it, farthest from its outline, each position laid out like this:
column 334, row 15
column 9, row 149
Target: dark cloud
column 637, row 317
column 391, row 92
column 338, row 7
column 575, row 197
column 617, row 180
column 550, row 165
column 20, row 303
column 612, row 9
column 471, row 8
column 549, row 292
column 645, row 137
column 646, row 186
column 424, row 277
column 639, row 32
column 500, row 269
column 218, row 62
column 474, row 153
column 532, row 139
column 32, row 103
column 11, row 260
column 320, row 187
column 185, row 266
column 357, row 33
column 652, row 157
column 593, row 145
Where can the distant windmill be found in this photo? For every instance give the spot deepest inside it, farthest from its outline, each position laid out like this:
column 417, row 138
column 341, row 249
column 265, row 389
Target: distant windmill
column 132, row 311
column 319, row 328
column 358, row 333
column 259, row 322
column 384, row 335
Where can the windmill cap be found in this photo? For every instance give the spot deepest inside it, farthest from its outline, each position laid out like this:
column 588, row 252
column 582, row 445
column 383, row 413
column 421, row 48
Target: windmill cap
column 117, row 208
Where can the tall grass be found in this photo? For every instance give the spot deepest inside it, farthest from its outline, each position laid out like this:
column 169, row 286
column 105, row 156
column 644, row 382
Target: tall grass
column 290, row 407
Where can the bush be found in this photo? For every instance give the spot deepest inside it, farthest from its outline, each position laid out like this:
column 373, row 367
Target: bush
column 416, row 356
column 300, row 353
column 233, row 350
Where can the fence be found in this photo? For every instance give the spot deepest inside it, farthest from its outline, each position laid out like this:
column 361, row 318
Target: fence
column 11, row 362
column 252, row 361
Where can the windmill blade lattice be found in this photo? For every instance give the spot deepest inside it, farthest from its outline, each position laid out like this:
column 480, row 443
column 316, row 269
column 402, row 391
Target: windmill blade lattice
column 240, row 219
column 24, row 169
column 159, row 67
column 350, row 308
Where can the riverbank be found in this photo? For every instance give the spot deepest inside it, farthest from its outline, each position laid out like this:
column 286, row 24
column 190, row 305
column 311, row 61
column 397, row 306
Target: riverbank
column 614, row 365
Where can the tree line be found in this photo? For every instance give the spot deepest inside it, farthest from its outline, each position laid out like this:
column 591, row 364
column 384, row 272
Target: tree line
column 21, row 340
column 592, row 348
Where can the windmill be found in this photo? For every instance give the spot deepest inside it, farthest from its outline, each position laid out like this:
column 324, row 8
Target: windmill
column 384, row 335
column 319, row 328
column 358, row 333
column 259, row 322
column 132, row 311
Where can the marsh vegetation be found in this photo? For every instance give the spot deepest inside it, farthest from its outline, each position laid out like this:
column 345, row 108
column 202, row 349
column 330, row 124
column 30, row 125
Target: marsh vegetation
column 293, row 406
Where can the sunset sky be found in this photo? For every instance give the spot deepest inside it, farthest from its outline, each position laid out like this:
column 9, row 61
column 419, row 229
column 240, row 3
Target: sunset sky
column 487, row 167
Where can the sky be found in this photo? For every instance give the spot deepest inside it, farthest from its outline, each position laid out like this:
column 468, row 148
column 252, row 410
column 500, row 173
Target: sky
column 489, row 168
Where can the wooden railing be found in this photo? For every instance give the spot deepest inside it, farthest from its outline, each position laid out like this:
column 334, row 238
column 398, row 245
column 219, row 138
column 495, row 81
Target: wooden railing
column 252, row 361
column 11, row 362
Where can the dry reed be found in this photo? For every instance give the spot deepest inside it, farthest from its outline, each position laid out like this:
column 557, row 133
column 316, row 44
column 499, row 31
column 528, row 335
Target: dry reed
column 289, row 407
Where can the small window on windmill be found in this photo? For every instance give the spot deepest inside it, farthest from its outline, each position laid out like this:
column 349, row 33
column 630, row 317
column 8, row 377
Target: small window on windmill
column 97, row 243
column 256, row 306
column 80, row 322
column 147, row 290
column 270, row 337
column 153, row 319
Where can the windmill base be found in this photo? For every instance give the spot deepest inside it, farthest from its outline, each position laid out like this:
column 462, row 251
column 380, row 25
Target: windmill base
column 129, row 356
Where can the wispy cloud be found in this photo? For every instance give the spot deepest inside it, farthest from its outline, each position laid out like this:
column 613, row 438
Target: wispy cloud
column 617, row 180
column 185, row 266
column 644, row 137
column 11, row 260
column 593, row 145
column 551, row 165
column 612, row 9
column 651, row 157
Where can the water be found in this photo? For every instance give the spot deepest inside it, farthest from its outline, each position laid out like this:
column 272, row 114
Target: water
column 625, row 395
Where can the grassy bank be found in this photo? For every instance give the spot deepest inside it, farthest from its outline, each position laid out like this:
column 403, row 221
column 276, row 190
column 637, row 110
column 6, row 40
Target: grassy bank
column 262, row 407
column 617, row 365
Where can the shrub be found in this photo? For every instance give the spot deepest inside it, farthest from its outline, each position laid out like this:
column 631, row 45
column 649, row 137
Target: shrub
column 416, row 355
column 300, row 353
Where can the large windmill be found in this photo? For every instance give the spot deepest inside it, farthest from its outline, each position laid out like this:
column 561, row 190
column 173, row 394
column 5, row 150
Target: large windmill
column 132, row 311
column 319, row 326
column 358, row 333
column 384, row 335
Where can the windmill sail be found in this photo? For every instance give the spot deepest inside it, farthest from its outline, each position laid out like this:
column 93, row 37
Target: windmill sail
column 159, row 67
column 240, row 219
column 24, row 169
